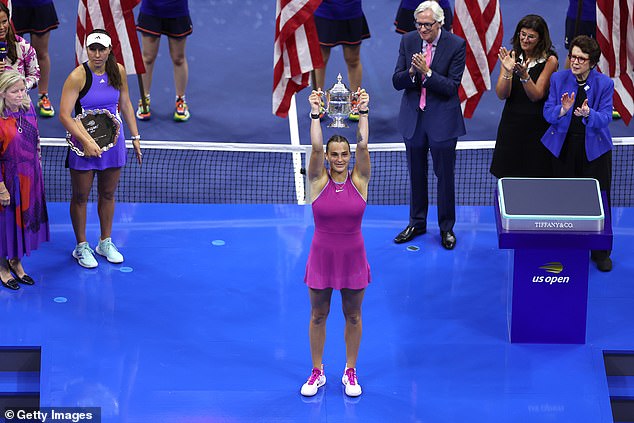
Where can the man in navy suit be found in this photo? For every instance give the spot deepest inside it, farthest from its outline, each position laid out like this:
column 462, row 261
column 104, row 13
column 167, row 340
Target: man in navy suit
column 429, row 70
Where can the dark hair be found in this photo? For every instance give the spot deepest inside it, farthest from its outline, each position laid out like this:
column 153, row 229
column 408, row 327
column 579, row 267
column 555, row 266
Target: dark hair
column 112, row 68
column 12, row 50
column 337, row 138
column 544, row 47
column 589, row 46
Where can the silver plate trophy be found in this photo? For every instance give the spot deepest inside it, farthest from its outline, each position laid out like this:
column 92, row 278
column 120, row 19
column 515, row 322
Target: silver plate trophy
column 101, row 125
column 339, row 103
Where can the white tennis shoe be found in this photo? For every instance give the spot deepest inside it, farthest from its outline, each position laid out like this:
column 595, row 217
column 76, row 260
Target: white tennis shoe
column 350, row 381
column 316, row 380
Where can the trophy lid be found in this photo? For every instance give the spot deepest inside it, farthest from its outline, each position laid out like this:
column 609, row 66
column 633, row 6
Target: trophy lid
column 339, row 87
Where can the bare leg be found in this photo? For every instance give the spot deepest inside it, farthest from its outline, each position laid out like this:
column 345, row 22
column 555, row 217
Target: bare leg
column 40, row 44
column 179, row 60
column 16, row 265
column 150, row 51
column 4, row 270
column 319, row 309
column 351, row 300
column 320, row 73
column 81, row 182
column 352, row 56
column 107, row 181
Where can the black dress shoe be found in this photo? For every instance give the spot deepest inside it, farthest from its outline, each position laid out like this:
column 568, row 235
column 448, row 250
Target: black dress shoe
column 604, row 265
column 448, row 239
column 11, row 284
column 26, row 279
column 408, row 234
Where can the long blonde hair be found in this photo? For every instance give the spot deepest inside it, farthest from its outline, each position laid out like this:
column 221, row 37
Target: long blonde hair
column 8, row 79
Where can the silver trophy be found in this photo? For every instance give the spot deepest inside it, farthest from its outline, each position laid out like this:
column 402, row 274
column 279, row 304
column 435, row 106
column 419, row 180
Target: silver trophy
column 101, row 125
column 339, row 103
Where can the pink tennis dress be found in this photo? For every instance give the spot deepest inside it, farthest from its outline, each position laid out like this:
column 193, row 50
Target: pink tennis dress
column 337, row 257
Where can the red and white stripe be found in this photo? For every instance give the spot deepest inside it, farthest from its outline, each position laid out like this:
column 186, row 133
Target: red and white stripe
column 615, row 34
column 296, row 50
column 116, row 17
column 479, row 22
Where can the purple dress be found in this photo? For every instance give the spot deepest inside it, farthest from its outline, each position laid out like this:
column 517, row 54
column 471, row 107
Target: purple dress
column 337, row 257
column 101, row 96
column 24, row 223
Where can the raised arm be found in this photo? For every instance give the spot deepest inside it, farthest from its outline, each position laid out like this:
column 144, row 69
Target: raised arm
column 317, row 176
column 361, row 171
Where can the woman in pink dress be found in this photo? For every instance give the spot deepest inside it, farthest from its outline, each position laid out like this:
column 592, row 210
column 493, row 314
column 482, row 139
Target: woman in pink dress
column 23, row 215
column 337, row 258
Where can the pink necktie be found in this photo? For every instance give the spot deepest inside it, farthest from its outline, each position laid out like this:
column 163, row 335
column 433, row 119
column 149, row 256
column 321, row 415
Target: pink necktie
column 423, row 91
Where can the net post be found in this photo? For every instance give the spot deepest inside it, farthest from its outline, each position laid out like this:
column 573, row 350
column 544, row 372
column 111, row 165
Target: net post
column 293, row 127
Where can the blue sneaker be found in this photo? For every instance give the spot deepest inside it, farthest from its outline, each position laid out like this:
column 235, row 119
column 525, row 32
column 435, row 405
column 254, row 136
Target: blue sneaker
column 84, row 255
column 107, row 249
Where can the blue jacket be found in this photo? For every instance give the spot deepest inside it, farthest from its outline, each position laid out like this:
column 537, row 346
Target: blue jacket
column 443, row 103
column 600, row 91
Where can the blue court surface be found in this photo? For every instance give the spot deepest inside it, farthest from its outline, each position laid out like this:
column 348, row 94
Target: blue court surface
column 207, row 321
column 207, row 318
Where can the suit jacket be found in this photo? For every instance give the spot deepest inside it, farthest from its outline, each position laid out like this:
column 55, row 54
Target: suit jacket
column 600, row 91
column 443, row 104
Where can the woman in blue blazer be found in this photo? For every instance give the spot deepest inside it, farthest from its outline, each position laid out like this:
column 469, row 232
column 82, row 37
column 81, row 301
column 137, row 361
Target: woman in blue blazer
column 579, row 109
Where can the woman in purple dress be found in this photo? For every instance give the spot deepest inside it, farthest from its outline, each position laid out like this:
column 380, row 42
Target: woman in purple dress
column 23, row 215
column 100, row 83
column 337, row 258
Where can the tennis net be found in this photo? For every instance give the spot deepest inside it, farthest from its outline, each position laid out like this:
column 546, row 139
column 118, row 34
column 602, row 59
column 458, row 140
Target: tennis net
column 238, row 173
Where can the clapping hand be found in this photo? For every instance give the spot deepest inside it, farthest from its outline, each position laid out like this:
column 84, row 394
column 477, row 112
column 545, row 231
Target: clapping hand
column 419, row 63
column 507, row 59
column 584, row 110
column 567, row 101
column 521, row 69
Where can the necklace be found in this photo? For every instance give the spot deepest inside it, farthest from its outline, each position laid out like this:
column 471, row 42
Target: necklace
column 20, row 124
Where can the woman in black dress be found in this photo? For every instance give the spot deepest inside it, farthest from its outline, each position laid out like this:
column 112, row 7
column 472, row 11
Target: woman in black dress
column 523, row 82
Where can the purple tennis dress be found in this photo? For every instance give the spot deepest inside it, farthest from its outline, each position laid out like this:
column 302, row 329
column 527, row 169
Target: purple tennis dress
column 24, row 223
column 101, row 96
column 337, row 257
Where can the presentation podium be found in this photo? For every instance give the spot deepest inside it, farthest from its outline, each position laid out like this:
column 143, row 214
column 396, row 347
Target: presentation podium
column 551, row 224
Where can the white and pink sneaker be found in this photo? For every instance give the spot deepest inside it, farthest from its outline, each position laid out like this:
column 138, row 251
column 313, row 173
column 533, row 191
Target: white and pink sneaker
column 316, row 380
column 350, row 381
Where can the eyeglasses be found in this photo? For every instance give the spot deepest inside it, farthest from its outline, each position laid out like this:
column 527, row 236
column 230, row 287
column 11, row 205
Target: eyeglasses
column 427, row 25
column 578, row 59
column 529, row 37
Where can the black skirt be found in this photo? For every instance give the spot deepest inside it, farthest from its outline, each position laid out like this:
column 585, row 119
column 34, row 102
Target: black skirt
column 348, row 32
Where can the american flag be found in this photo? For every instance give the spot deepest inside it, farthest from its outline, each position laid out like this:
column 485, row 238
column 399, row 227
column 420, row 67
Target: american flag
column 479, row 22
column 296, row 51
column 116, row 17
column 615, row 35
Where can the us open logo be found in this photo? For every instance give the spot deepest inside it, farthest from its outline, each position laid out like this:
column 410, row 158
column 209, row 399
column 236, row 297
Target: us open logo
column 555, row 268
